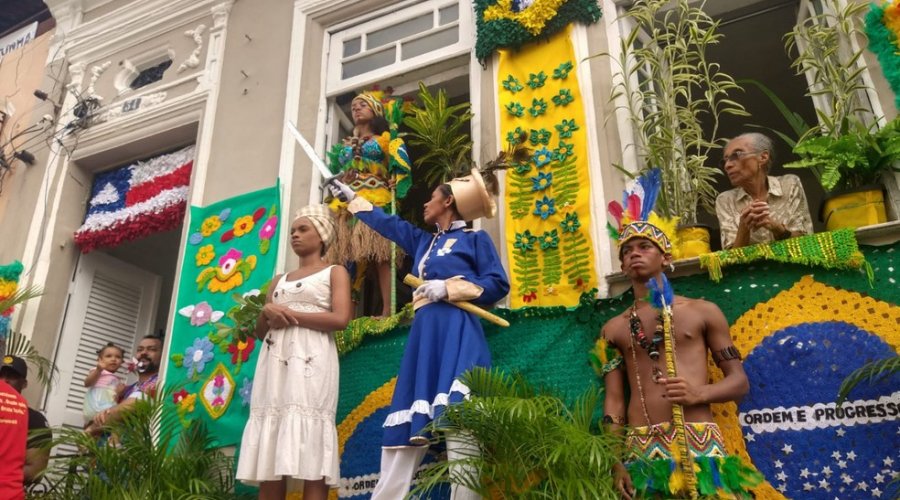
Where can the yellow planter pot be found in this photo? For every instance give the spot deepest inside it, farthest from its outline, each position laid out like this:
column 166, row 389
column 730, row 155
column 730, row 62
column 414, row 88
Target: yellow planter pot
column 854, row 209
column 693, row 241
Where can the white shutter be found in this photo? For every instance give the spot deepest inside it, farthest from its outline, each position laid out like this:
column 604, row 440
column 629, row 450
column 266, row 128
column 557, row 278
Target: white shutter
column 110, row 301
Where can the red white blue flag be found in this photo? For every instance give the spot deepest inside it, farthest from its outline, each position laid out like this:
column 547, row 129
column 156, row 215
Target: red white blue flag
column 137, row 200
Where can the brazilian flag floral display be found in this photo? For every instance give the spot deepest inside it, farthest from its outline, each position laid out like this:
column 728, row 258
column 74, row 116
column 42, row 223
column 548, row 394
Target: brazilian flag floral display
column 514, row 23
column 231, row 251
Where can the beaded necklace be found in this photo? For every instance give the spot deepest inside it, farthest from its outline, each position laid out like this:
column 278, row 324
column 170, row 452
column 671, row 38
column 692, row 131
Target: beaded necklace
column 649, row 345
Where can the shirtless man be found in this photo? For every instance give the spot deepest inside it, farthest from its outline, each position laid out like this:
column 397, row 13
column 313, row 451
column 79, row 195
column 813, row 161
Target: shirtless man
column 699, row 326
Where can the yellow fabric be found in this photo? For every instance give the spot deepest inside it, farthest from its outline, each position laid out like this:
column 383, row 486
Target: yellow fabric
column 532, row 59
column 859, row 209
column 694, row 242
column 807, row 301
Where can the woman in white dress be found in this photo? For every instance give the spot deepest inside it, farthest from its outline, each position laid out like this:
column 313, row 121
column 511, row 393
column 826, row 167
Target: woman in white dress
column 291, row 431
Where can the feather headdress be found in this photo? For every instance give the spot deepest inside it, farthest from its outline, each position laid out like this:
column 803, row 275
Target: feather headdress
column 634, row 216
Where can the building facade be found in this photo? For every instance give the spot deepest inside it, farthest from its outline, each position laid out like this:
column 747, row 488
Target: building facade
column 130, row 80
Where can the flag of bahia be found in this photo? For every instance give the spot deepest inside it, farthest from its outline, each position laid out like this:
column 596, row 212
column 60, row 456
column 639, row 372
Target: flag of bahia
column 137, row 200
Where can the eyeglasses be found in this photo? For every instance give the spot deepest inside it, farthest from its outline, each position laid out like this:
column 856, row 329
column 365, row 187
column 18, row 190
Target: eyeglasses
column 737, row 155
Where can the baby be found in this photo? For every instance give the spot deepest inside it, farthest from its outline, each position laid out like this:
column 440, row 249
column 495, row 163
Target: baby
column 104, row 387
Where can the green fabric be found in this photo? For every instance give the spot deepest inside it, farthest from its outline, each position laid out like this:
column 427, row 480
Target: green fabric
column 11, row 272
column 550, row 345
column 226, row 422
column 830, row 250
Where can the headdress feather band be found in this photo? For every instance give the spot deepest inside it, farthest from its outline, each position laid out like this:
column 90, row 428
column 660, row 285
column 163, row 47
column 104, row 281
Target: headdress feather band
column 635, row 218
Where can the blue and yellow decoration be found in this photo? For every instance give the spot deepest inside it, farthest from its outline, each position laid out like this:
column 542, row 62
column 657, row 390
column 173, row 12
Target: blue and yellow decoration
column 799, row 346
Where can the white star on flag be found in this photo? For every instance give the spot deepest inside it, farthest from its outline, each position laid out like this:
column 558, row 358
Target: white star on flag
column 779, row 464
column 782, row 488
column 846, row 478
column 826, row 470
column 823, row 484
column 842, row 464
column 787, row 449
column 876, row 493
column 749, row 437
column 804, row 473
column 836, row 455
column 851, row 455
column 887, row 461
column 781, row 476
column 807, row 487
column 862, row 486
column 840, row 432
column 879, row 478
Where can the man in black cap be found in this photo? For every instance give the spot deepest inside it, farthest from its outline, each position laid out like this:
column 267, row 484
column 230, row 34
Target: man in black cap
column 14, row 371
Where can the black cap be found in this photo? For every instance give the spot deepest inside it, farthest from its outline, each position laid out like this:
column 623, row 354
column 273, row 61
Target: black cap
column 15, row 364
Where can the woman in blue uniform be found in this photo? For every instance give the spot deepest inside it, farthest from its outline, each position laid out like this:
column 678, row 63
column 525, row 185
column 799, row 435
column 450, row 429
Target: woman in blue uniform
column 444, row 341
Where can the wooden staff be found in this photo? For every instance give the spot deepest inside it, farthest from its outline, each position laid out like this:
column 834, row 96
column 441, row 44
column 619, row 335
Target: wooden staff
column 415, row 282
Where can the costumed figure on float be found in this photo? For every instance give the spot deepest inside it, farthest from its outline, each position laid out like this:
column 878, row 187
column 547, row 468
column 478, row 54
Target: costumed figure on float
column 456, row 264
column 673, row 447
column 373, row 162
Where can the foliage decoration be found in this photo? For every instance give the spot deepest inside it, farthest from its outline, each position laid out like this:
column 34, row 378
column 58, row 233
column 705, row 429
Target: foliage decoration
column 870, row 373
column 563, row 98
column 440, row 130
column 681, row 84
column 565, row 128
column 515, row 109
column 536, row 80
column 540, row 136
column 562, row 71
column 512, row 84
column 845, row 151
column 158, row 457
column 530, row 442
column 538, row 107
column 510, row 24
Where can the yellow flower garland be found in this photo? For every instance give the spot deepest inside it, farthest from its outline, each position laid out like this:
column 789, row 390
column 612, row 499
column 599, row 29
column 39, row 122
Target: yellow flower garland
column 533, row 18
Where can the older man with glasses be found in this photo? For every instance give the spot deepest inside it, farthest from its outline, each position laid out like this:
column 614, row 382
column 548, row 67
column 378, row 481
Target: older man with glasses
column 761, row 208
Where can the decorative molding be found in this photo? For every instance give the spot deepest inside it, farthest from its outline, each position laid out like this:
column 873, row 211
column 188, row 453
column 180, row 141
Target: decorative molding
column 193, row 60
column 220, row 13
column 133, row 106
column 131, row 25
column 96, row 72
column 131, row 127
column 76, row 78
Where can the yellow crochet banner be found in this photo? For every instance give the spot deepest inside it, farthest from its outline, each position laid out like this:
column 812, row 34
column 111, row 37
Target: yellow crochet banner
column 548, row 213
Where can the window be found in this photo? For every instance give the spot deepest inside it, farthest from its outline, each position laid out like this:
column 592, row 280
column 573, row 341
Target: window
column 396, row 41
column 150, row 75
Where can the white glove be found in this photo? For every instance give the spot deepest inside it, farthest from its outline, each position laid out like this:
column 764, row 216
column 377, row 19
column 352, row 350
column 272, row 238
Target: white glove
column 435, row 290
column 341, row 190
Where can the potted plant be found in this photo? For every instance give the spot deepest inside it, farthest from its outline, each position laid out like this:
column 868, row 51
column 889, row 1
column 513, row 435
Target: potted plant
column 669, row 86
column 847, row 152
column 530, row 442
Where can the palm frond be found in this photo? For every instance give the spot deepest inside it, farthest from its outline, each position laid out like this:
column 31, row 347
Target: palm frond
column 870, row 373
column 525, row 442
column 157, row 458
column 21, row 346
column 21, row 295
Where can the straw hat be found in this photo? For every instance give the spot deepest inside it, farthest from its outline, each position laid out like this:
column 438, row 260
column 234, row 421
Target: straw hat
column 472, row 197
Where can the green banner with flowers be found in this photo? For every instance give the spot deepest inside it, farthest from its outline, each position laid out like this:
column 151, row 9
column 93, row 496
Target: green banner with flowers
column 231, row 252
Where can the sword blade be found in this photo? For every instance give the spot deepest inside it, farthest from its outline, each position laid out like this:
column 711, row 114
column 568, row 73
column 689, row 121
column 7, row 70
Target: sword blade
column 307, row 148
